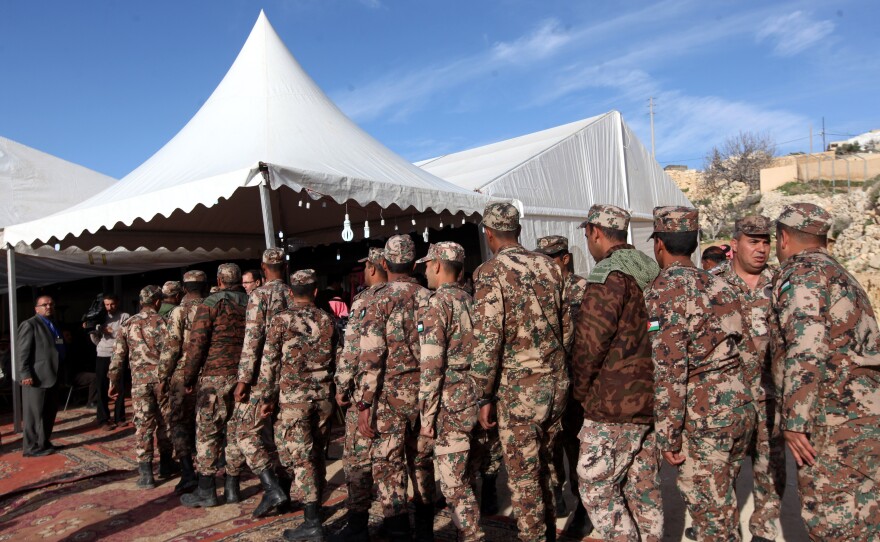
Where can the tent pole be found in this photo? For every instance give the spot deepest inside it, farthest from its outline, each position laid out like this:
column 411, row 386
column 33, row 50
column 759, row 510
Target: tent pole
column 624, row 175
column 266, row 207
column 13, row 337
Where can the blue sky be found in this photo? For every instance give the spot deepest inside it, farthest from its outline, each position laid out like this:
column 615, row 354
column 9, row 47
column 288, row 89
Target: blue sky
column 106, row 84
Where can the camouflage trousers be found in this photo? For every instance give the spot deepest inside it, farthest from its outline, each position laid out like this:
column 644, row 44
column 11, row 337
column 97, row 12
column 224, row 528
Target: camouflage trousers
column 181, row 416
column 399, row 448
column 840, row 494
column 768, row 464
column 245, row 439
column 706, row 479
column 357, row 464
column 213, row 410
column 301, row 433
column 452, row 445
column 619, row 480
column 486, row 455
column 567, row 446
column 148, row 421
column 529, row 418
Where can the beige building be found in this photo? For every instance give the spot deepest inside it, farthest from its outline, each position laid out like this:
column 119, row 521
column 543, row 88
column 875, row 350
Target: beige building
column 824, row 165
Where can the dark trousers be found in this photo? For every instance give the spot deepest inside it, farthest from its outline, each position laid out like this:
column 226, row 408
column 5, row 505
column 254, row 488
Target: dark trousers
column 39, row 407
column 102, row 366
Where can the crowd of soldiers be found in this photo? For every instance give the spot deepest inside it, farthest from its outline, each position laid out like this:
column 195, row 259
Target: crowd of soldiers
column 645, row 360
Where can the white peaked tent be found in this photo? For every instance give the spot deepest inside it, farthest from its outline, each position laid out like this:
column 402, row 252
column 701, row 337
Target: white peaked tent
column 559, row 173
column 266, row 126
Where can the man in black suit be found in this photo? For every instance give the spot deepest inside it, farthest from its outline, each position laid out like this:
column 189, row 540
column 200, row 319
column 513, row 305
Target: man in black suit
column 42, row 357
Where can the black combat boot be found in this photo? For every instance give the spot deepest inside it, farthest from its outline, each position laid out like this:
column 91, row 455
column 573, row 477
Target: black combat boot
column 273, row 495
column 205, row 496
column 398, row 529
column 231, row 489
column 357, row 528
column 561, row 505
column 188, row 479
column 145, row 470
column 581, row 525
column 489, row 495
column 168, row 467
column 311, row 528
column 424, row 522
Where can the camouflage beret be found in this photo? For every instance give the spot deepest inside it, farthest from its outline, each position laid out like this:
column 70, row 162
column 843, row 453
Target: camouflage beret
column 273, row 255
column 150, row 294
column 195, row 276
column 444, row 250
column 806, row 217
column 400, row 249
column 675, row 219
column 172, row 287
column 303, row 277
column 374, row 256
column 552, row 244
column 607, row 216
column 229, row 273
column 501, row 216
column 753, row 225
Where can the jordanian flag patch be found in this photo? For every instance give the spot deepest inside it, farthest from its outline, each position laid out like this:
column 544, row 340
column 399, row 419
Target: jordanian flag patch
column 786, row 286
column 421, row 327
column 653, row 325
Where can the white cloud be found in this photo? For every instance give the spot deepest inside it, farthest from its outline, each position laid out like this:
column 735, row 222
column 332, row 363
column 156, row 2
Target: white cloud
column 794, row 32
column 547, row 39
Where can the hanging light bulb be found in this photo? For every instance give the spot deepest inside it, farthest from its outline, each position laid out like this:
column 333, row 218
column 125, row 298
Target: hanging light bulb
column 300, row 203
column 338, row 256
column 287, row 257
column 347, row 234
column 366, row 228
column 57, row 247
column 414, row 221
column 425, row 234
column 324, row 204
column 381, row 218
column 308, row 205
column 281, row 235
column 441, row 223
column 395, row 226
column 463, row 221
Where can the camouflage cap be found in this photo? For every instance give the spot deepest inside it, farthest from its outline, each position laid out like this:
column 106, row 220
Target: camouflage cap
column 303, row 277
column 753, row 225
column 229, row 273
column 150, row 294
column 195, row 276
column 806, row 217
column 552, row 244
column 374, row 256
column 607, row 216
column 675, row 219
column 400, row 249
column 444, row 250
column 172, row 288
column 501, row 217
column 273, row 255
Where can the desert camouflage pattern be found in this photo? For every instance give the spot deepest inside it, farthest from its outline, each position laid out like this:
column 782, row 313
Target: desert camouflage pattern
column 301, row 434
column 619, row 474
column 521, row 328
column 607, row 216
column 375, row 256
column 264, row 303
column 214, row 407
column 195, row 276
column 229, row 274
column 139, row 344
column 674, row 219
column 453, row 430
column 806, row 217
column 501, row 217
column 273, row 256
column 171, row 288
column 217, row 335
column 400, row 249
column 826, row 345
column 552, row 244
column 303, row 277
column 486, row 454
column 244, row 439
column 444, row 250
column 756, row 225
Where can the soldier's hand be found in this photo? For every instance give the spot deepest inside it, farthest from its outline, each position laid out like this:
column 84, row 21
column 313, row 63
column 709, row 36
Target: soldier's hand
column 241, row 392
column 674, row 458
column 112, row 393
column 486, row 415
column 427, row 431
column 800, row 447
column 342, row 401
column 365, row 423
column 266, row 410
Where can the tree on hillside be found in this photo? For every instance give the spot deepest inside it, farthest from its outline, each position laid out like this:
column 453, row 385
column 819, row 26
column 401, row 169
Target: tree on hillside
column 739, row 159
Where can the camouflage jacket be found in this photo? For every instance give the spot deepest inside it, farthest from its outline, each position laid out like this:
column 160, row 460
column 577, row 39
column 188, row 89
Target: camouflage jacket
column 445, row 338
column 165, row 309
column 826, row 341
column 263, row 303
column 573, row 289
column 389, row 344
column 297, row 360
column 139, row 343
column 179, row 325
column 521, row 322
column 217, row 335
column 347, row 357
column 697, row 335
column 756, row 313
column 612, row 369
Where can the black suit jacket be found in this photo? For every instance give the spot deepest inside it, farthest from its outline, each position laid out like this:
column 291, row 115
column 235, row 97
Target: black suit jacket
column 38, row 357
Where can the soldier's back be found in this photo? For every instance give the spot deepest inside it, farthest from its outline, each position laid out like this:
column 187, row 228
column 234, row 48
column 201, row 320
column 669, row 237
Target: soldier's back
column 307, row 334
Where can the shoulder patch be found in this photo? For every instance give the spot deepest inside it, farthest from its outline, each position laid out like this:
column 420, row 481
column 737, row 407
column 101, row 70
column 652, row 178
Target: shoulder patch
column 653, row 325
column 786, row 286
column 421, row 327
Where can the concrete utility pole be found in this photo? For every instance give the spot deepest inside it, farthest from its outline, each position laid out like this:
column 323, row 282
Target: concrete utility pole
column 824, row 148
column 651, row 109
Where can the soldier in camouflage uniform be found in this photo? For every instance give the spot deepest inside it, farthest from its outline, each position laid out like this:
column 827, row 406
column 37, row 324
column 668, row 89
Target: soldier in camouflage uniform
column 139, row 344
column 172, row 292
column 613, row 380
column 486, row 458
column 703, row 409
column 213, row 353
column 247, row 430
column 751, row 276
column 357, row 451
column 181, row 405
column 296, row 375
column 826, row 351
column 389, row 387
column 521, row 327
column 447, row 393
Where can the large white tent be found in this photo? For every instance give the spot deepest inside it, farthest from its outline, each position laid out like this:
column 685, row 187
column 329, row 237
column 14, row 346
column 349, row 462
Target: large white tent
column 559, row 173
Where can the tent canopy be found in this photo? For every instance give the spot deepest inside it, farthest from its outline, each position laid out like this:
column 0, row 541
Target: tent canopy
column 266, row 122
